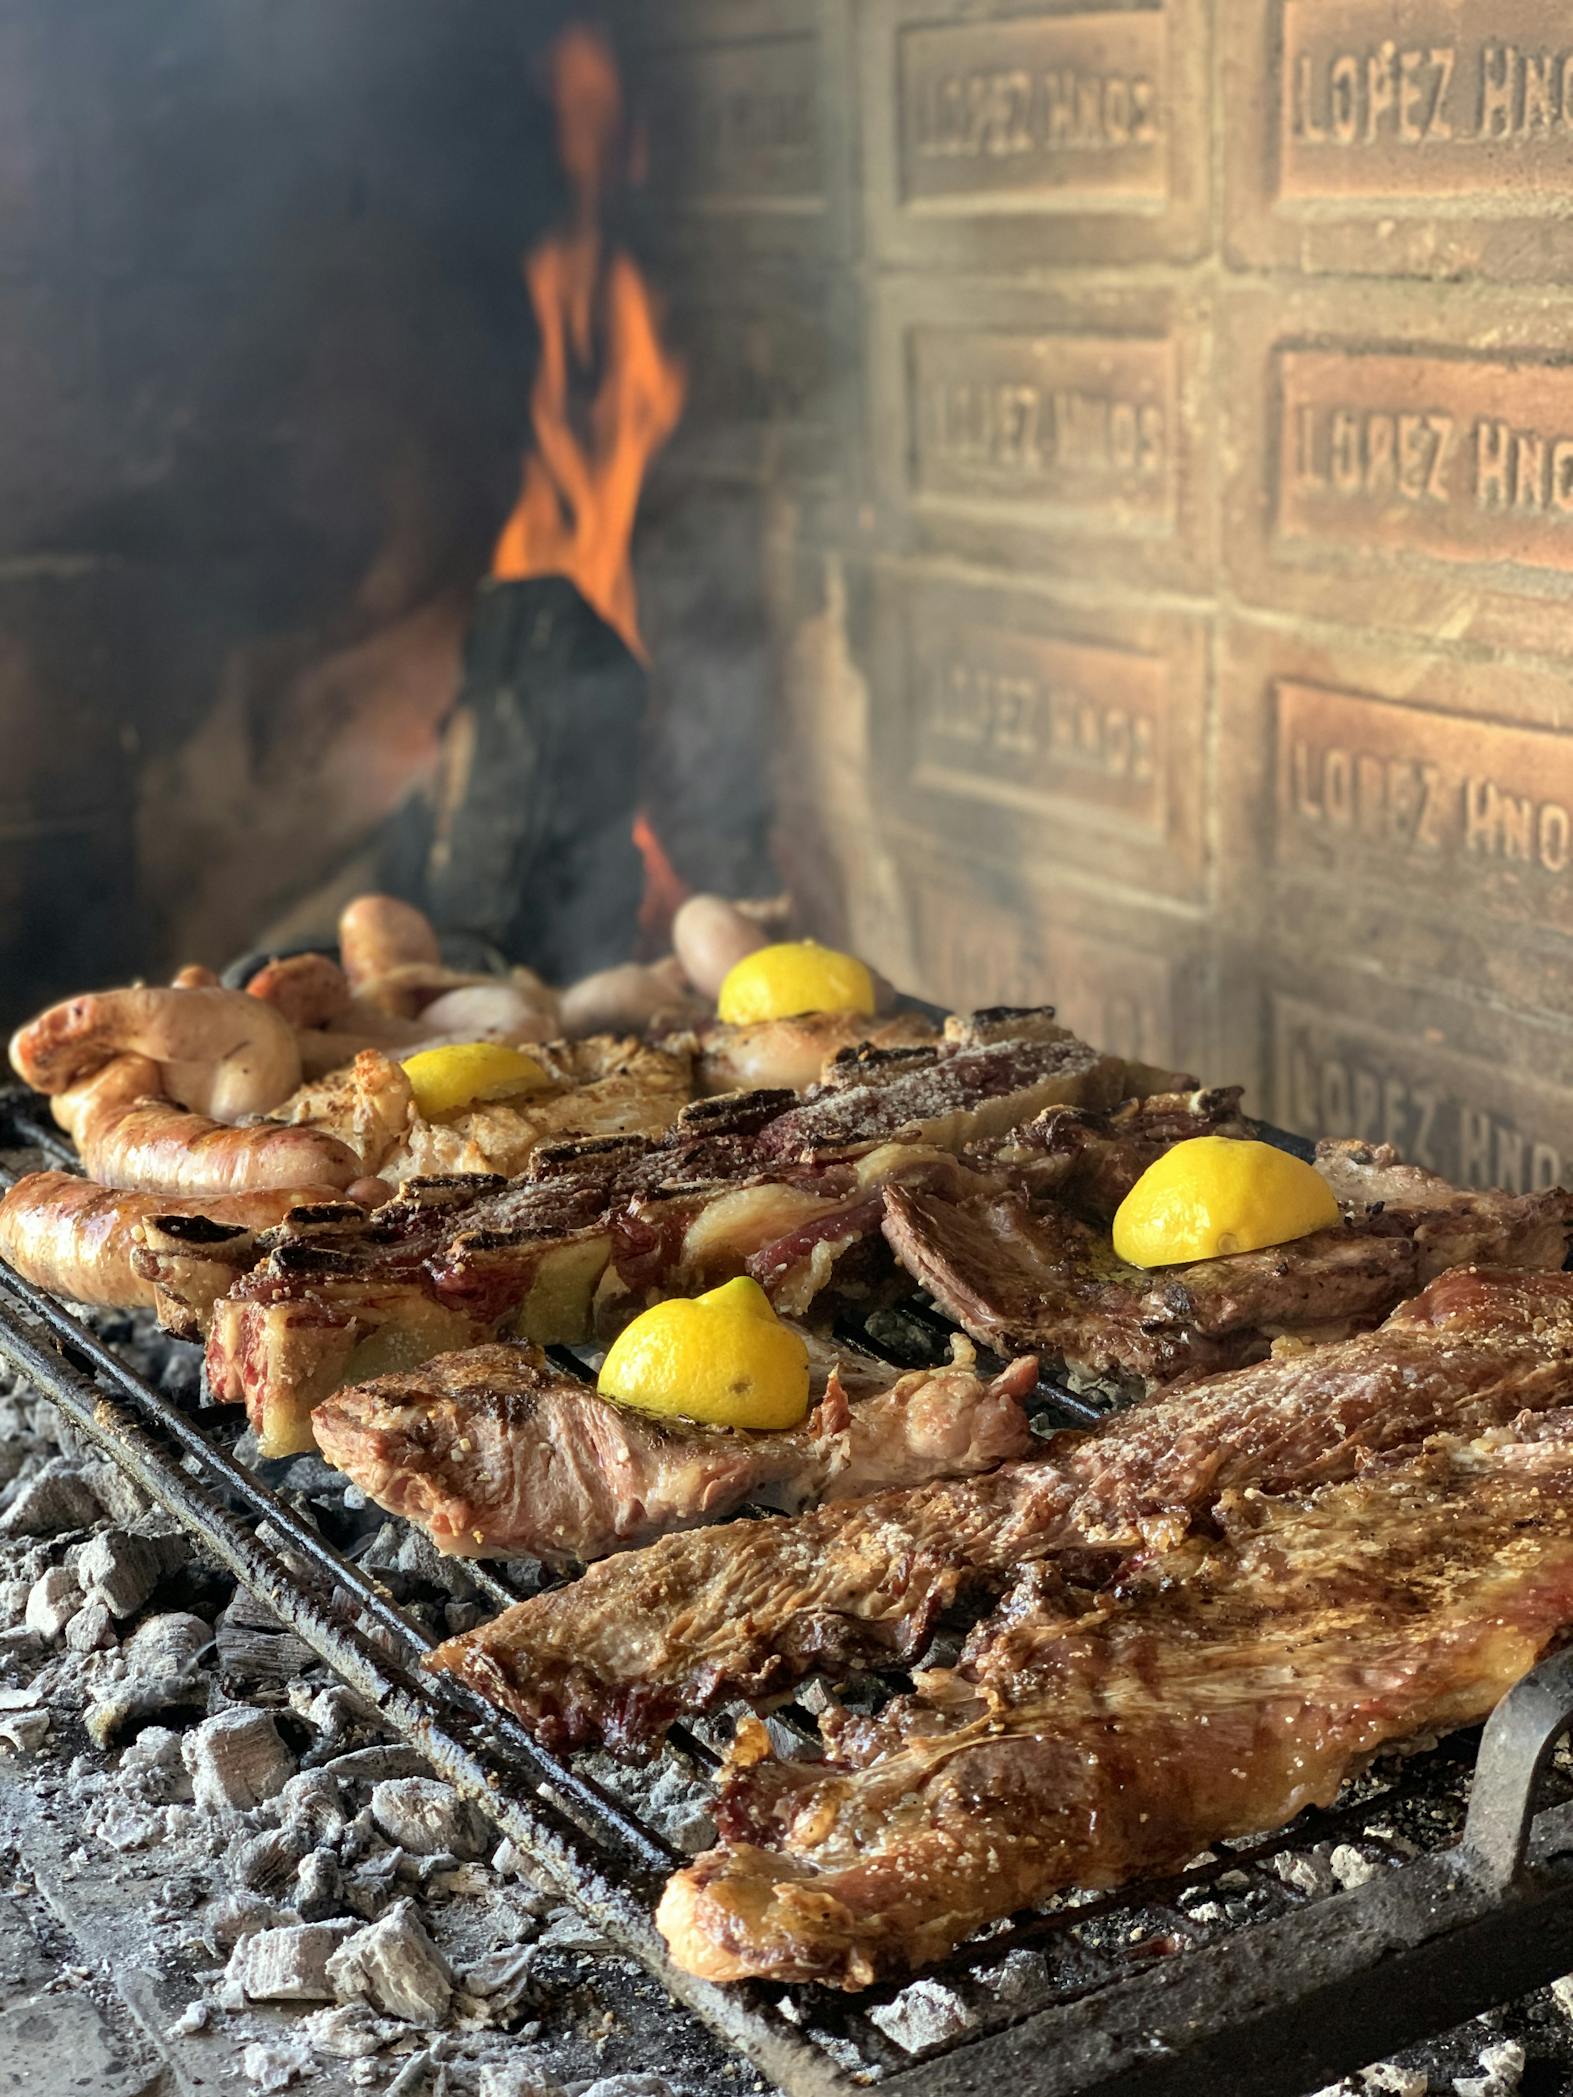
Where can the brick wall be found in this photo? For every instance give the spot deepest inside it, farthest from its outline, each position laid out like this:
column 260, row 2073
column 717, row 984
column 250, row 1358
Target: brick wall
column 1159, row 428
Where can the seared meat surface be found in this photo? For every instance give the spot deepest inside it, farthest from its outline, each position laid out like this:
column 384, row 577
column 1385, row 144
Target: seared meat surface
column 1018, row 1271
column 750, row 1607
column 600, row 1228
column 1222, row 1689
column 494, row 1452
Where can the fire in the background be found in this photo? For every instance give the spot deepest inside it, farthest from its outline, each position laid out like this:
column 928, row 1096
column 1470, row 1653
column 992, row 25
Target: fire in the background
column 606, row 395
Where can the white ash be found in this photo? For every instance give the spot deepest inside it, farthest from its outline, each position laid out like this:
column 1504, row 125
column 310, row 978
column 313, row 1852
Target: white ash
column 394, row 1965
column 429, row 1818
column 1503, row 2071
column 1349, row 1867
column 349, row 2031
column 274, row 2064
column 923, row 2016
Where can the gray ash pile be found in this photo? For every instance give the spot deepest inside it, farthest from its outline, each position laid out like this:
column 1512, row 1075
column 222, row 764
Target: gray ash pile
column 221, row 1865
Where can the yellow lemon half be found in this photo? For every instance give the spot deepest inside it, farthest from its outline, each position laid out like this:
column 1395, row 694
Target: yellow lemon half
column 796, row 976
column 1212, row 1195
column 446, row 1079
column 724, row 1358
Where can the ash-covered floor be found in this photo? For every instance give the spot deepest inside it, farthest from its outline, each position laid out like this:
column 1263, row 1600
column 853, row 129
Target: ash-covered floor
column 218, row 1871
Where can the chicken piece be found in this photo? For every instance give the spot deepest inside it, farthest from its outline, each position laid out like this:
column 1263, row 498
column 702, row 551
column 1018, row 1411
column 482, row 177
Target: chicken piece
column 601, row 1087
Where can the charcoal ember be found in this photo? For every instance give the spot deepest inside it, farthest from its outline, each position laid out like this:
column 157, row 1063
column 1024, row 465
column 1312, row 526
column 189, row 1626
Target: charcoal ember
column 289, row 1964
column 236, row 1761
column 319, row 1893
column 926, row 2015
column 60, row 1496
column 24, row 1732
column 315, row 1799
column 393, row 1965
column 121, row 1568
column 91, row 1629
column 429, row 1818
column 255, row 1646
column 371, row 1765
column 54, row 1600
column 168, row 1644
column 567, row 1930
column 268, row 1862
column 349, row 2031
column 543, row 777
column 1307, row 1871
column 497, row 1987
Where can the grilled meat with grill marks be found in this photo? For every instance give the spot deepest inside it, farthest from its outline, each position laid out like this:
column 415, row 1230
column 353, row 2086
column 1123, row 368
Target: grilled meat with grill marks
column 1089, row 1159
column 707, row 1200
column 990, row 1073
column 605, row 1086
column 496, row 1453
column 1017, row 1272
column 1224, row 1688
column 80, row 1240
column 751, row 1607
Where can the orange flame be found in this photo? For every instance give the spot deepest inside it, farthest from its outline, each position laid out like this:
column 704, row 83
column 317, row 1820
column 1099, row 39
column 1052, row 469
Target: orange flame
column 665, row 890
column 580, row 490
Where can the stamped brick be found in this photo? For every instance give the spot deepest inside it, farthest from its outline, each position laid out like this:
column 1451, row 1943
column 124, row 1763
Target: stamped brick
column 1399, row 804
column 1389, row 466
column 1435, row 142
column 1019, row 131
column 748, row 123
column 1121, row 977
column 1341, row 1061
column 1058, row 733
column 773, row 357
column 1012, row 424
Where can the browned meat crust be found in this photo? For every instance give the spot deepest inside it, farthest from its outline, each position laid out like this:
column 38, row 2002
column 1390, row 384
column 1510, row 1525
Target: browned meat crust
column 1226, row 1687
column 750, row 1607
column 1020, row 1273
column 495, row 1453
column 599, row 1229
column 81, row 1241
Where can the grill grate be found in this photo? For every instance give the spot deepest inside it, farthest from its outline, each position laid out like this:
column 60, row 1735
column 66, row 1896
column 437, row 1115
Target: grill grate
column 1244, row 1973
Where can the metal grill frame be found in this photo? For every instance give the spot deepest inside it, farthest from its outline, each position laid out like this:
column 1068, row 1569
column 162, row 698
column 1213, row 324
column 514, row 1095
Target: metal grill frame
column 1273, row 2009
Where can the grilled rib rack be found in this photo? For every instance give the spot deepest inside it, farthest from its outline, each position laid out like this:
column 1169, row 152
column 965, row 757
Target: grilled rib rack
column 1141, row 1994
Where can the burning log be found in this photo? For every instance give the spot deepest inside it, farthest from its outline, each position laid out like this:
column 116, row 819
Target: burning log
column 533, row 845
